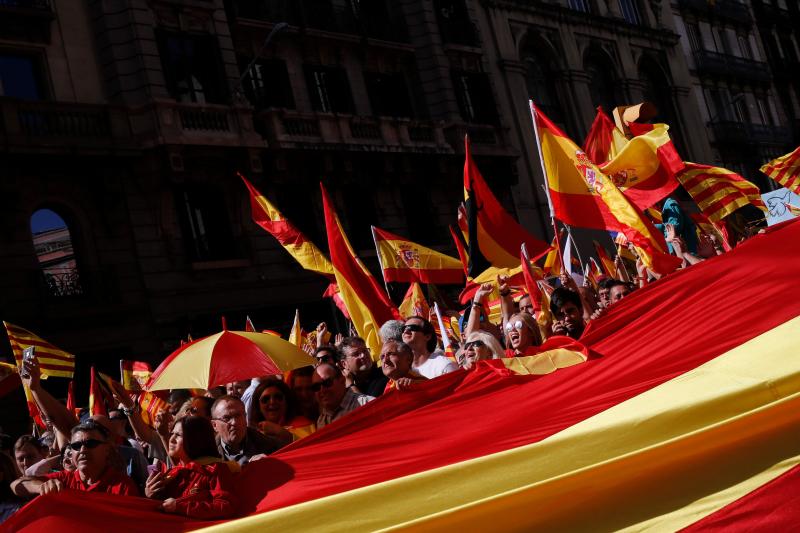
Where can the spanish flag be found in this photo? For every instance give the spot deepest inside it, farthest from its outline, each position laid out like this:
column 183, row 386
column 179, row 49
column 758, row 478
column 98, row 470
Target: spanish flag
column 98, row 397
column 644, row 169
column 541, row 314
column 494, row 236
column 785, row 170
column 292, row 239
column 698, row 433
column 369, row 305
column 584, row 196
column 296, row 334
column 553, row 265
column 405, row 261
column 414, row 302
column 718, row 192
column 134, row 374
column 604, row 140
column 606, row 264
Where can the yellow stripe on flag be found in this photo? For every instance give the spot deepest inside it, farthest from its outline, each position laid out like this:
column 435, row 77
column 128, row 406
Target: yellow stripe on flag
column 661, row 460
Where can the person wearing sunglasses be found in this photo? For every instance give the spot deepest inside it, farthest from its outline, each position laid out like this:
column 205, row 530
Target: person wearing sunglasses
column 200, row 485
column 326, row 354
column 420, row 335
column 522, row 335
column 358, row 368
column 274, row 412
column 334, row 398
column 480, row 346
column 96, row 467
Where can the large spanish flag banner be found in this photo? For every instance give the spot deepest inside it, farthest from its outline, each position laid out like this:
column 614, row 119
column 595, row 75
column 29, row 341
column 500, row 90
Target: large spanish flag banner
column 717, row 191
column 684, row 415
column 405, row 261
column 292, row 239
column 582, row 195
column 494, row 237
column 785, row 170
column 644, row 169
column 367, row 303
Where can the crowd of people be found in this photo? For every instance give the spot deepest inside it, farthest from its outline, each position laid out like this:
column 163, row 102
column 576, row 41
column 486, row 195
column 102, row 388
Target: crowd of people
column 188, row 458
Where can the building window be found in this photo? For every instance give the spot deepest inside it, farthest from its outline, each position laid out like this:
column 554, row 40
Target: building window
column 388, row 94
column 206, row 229
column 52, row 243
column 329, row 89
column 192, row 67
column 454, row 23
column 21, row 77
column 475, row 98
column 268, row 84
column 602, row 81
column 744, row 47
column 539, row 80
column 580, row 5
column 630, row 11
column 764, row 111
column 693, row 34
column 723, row 45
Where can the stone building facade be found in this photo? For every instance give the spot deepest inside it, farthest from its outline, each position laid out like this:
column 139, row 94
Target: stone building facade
column 130, row 118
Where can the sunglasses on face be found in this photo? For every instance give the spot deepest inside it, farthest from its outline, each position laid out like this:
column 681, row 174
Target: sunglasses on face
column 411, row 328
column 518, row 325
column 474, row 344
column 278, row 397
column 325, row 359
column 327, row 382
column 90, row 444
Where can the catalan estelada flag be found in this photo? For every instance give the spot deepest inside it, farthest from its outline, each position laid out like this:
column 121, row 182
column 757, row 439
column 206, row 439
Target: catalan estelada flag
column 369, row 305
column 405, row 261
column 718, row 192
column 414, row 302
column 292, row 239
column 604, row 140
column 494, row 236
column 582, row 195
column 696, row 433
column 645, row 168
column 785, row 170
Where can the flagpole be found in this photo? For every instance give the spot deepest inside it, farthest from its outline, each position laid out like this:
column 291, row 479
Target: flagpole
column 380, row 263
column 546, row 181
column 577, row 250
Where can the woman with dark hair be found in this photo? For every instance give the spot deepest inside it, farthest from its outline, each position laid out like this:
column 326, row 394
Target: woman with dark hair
column 200, row 485
column 274, row 411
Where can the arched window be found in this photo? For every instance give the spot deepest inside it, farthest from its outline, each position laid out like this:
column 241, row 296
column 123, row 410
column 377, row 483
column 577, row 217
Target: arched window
column 540, row 76
column 602, row 81
column 656, row 89
column 52, row 243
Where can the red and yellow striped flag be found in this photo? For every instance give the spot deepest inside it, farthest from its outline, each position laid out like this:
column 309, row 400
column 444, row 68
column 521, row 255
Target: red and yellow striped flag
column 292, row 239
column 414, row 303
column 406, row 261
column 718, row 192
column 785, row 170
column 607, row 265
column 584, row 196
column 53, row 362
column 604, row 140
column 369, row 305
column 793, row 209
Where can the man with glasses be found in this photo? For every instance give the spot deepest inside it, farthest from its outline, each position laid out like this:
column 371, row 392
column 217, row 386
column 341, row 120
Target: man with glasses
column 236, row 441
column 419, row 334
column 334, row 398
column 94, row 457
column 360, row 372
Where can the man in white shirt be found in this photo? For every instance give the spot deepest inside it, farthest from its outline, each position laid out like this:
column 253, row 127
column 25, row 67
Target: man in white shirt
column 419, row 334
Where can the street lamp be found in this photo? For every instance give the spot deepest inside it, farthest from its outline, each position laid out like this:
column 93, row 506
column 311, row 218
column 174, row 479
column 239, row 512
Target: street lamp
column 276, row 29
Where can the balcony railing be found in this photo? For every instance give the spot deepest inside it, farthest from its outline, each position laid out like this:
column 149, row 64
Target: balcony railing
column 730, row 10
column 59, row 125
column 323, row 131
column 725, row 65
column 169, row 122
column 731, row 132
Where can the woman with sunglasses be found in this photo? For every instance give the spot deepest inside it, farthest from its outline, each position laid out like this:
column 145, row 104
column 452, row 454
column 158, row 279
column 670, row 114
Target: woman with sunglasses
column 201, row 483
column 480, row 346
column 522, row 335
column 274, row 411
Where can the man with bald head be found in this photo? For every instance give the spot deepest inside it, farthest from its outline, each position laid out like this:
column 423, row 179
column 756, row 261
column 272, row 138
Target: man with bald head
column 334, row 398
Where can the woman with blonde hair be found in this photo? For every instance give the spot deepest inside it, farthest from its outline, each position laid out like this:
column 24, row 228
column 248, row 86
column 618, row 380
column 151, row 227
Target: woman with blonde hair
column 480, row 345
